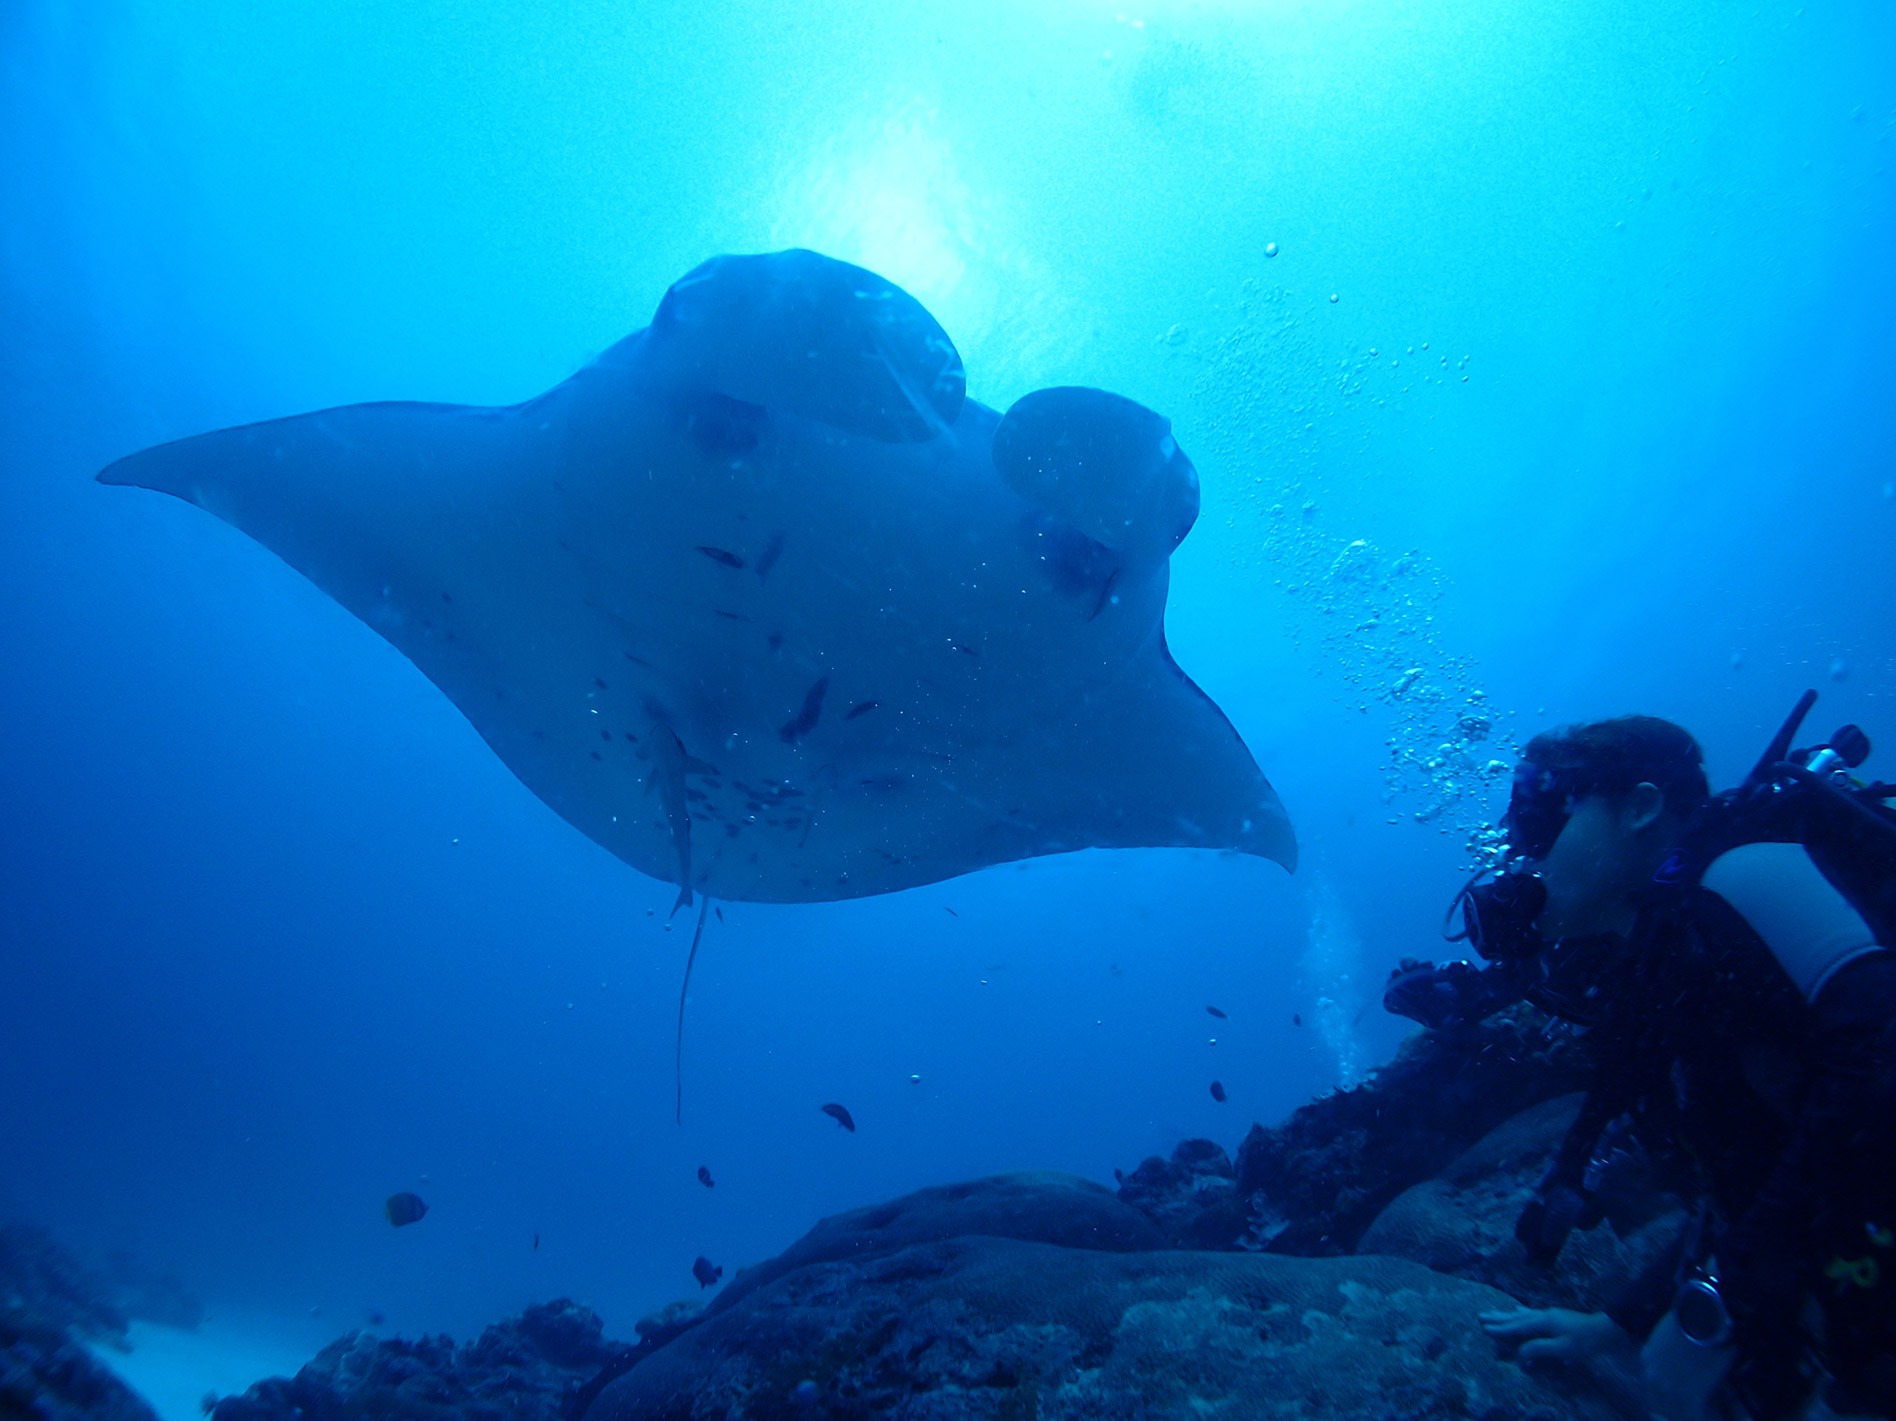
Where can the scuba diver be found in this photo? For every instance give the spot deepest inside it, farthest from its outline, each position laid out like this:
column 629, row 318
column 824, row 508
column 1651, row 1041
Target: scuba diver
column 1727, row 961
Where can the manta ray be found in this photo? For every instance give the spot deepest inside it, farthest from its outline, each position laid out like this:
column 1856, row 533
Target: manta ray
column 764, row 605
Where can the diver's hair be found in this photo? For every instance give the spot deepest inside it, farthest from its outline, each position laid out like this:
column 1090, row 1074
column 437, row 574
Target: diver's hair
column 1612, row 756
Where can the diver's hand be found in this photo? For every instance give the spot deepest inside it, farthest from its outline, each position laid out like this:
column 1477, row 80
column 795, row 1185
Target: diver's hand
column 1434, row 996
column 1557, row 1334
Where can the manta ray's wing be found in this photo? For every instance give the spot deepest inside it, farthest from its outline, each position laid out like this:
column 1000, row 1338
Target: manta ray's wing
column 890, row 636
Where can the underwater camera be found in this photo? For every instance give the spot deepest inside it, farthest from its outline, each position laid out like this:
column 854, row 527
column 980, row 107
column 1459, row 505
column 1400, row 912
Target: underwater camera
column 1499, row 908
column 1499, row 911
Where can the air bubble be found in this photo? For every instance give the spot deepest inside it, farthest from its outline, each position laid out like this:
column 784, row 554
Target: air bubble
column 1270, row 249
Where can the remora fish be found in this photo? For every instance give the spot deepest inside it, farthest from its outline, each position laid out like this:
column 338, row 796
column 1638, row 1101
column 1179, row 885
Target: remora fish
column 670, row 764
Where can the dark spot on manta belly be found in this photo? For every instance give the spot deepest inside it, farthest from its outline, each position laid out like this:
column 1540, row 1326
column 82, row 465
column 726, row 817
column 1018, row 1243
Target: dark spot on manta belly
column 596, row 755
column 861, row 708
column 804, row 721
column 718, row 555
column 605, row 735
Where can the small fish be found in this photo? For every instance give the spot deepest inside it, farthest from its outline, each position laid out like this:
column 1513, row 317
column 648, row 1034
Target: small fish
column 1215, row 1012
column 840, row 1116
column 720, row 913
column 536, row 1243
column 949, row 911
column 1218, row 1091
column 705, row 1271
column 804, row 721
column 404, row 1208
column 1296, row 1018
column 718, row 555
column 704, row 1177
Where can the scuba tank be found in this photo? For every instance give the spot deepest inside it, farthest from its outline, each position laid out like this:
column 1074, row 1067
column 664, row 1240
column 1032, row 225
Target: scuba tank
column 1808, row 799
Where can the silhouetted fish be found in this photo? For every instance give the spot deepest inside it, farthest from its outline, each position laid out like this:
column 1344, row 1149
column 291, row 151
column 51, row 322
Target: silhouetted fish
column 536, row 1243
column 705, row 1271
column 404, row 1208
column 1296, row 1018
column 841, row 1117
column 1218, row 1091
column 704, row 1177
column 1215, row 1012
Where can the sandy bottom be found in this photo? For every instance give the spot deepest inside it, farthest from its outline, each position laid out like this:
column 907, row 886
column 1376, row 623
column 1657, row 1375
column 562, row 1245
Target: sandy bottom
column 173, row 1369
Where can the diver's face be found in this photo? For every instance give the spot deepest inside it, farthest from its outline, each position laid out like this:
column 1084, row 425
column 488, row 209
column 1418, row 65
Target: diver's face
column 1601, row 857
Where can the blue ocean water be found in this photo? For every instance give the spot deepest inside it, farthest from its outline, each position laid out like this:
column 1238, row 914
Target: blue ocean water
column 1570, row 322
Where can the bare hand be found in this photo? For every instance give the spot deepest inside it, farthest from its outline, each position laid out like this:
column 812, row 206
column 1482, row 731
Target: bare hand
column 1558, row 1334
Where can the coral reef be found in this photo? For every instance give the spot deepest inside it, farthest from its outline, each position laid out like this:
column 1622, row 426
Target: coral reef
column 48, row 1283
column 1044, row 1206
column 44, row 1282
column 529, row 1368
column 1311, row 1185
column 1332, row 1270
column 47, row 1376
column 980, row 1327
column 51, row 1304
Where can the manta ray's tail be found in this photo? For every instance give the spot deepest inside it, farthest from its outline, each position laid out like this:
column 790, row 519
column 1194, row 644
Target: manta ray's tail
column 684, row 990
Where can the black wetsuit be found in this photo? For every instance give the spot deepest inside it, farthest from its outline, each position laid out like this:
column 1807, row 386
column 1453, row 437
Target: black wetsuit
column 1785, row 1110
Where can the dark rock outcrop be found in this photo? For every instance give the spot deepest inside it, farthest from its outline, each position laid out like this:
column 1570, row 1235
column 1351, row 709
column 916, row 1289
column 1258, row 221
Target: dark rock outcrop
column 529, row 1368
column 1462, row 1221
column 1043, row 1206
column 1312, row 1185
column 46, row 1376
column 979, row 1327
column 1189, row 1196
column 42, row 1281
